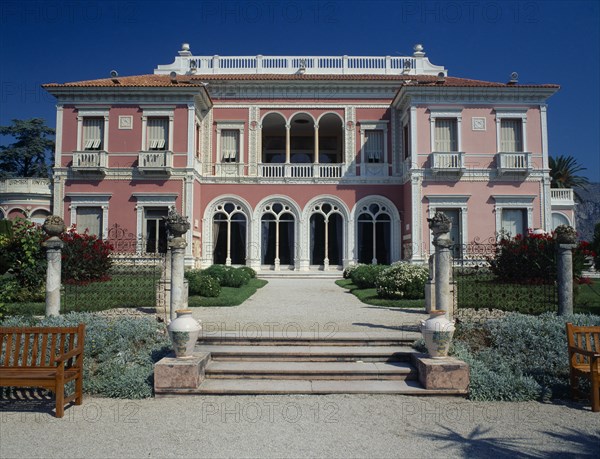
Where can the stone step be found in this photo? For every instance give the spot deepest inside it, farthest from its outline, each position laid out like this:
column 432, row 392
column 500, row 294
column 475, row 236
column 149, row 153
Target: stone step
column 308, row 338
column 285, row 386
column 310, row 370
column 288, row 274
column 307, row 353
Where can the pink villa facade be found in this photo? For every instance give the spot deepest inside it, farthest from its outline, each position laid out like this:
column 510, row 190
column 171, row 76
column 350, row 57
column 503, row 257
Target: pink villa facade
column 304, row 163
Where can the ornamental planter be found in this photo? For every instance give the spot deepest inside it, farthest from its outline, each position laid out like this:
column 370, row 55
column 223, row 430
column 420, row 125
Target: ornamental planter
column 437, row 332
column 184, row 331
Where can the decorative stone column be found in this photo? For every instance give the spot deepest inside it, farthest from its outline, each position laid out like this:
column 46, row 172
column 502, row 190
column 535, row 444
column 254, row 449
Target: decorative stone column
column 177, row 225
column 440, row 226
column 54, row 226
column 566, row 237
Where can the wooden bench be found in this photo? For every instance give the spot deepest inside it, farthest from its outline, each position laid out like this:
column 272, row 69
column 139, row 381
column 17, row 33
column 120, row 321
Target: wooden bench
column 584, row 360
column 46, row 357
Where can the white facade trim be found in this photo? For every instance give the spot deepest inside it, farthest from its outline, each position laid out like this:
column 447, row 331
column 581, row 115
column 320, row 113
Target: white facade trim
column 90, row 200
column 513, row 202
column 158, row 112
column 512, row 113
column 95, row 112
column 233, row 125
column 453, row 113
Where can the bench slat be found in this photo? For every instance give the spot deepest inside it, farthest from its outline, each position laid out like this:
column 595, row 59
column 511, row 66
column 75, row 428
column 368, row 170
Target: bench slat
column 59, row 361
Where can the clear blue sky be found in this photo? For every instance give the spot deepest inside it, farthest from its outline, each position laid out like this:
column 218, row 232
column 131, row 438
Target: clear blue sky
column 544, row 41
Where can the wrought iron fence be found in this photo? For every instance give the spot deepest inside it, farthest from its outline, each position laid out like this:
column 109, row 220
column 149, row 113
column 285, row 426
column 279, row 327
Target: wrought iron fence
column 478, row 287
column 134, row 277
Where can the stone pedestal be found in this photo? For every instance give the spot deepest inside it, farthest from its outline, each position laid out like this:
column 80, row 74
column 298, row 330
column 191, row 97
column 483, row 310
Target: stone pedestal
column 565, row 278
column 178, row 295
column 448, row 373
column 440, row 226
column 172, row 373
column 53, row 226
column 53, row 248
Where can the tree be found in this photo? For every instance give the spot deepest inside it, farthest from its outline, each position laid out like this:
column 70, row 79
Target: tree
column 27, row 157
column 564, row 173
column 596, row 246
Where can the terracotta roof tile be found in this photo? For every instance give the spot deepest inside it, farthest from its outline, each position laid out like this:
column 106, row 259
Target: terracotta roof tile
column 197, row 80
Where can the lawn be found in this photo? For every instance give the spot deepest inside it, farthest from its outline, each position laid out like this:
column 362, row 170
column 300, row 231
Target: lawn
column 229, row 296
column 369, row 296
column 587, row 298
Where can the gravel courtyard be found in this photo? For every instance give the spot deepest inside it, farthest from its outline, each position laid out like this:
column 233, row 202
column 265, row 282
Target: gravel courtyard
column 269, row 426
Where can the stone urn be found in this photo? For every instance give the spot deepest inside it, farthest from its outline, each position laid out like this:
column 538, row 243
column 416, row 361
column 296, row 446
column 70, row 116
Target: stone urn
column 565, row 234
column 184, row 331
column 437, row 332
column 54, row 226
column 177, row 225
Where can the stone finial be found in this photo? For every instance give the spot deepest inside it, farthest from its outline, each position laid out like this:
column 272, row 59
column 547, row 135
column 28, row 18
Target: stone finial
column 439, row 223
column 185, row 50
column 418, row 48
column 565, row 234
column 54, row 226
column 177, row 224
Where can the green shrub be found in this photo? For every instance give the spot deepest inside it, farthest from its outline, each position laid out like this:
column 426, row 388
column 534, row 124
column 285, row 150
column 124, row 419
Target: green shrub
column 11, row 291
column 218, row 272
column 595, row 246
column 402, row 280
column 347, row 273
column 364, row 276
column 247, row 269
column 119, row 353
column 235, row 278
column 532, row 258
column 25, row 255
column 201, row 284
column 85, row 257
column 518, row 357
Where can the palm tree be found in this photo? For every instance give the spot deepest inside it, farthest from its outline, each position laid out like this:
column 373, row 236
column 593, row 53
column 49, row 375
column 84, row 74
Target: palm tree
column 563, row 174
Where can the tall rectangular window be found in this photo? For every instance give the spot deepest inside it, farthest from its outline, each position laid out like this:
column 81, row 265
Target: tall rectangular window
column 406, row 141
column 446, row 138
column 155, row 230
column 90, row 219
column 374, row 146
column 511, row 135
column 230, row 145
column 514, row 221
column 93, row 133
column 158, row 133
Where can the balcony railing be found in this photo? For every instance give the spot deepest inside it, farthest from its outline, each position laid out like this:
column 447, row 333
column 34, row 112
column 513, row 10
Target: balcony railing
column 326, row 171
column 155, row 162
column 453, row 163
column 562, row 197
column 514, row 163
column 23, row 185
column 90, row 162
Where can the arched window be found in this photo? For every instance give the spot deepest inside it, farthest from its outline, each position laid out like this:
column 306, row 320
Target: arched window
column 559, row 219
column 277, row 235
column 39, row 216
column 373, row 235
column 229, row 234
column 326, row 235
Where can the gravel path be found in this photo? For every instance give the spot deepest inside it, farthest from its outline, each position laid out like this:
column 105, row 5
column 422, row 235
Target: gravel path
column 308, row 305
column 344, row 426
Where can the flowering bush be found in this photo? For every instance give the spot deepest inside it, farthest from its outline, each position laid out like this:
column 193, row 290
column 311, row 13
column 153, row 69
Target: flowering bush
column 85, row 258
column 24, row 254
column 202, row 284
column 364, row 276
column 533, row 258
column 402, row 280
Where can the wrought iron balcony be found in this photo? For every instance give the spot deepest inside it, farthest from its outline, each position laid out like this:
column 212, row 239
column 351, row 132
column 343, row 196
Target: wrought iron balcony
column 155, row 162
column 448, row 163
column 514, row 163
column 90, row 162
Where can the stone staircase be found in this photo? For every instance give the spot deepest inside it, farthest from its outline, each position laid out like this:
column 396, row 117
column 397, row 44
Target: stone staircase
column 346, row 363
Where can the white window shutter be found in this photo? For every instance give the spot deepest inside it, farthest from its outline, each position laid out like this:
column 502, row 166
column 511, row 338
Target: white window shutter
column 445, row 135
column 93, row 132
column 374, row 145
column 511, row 135
column 230, row 144
column 158, row 133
